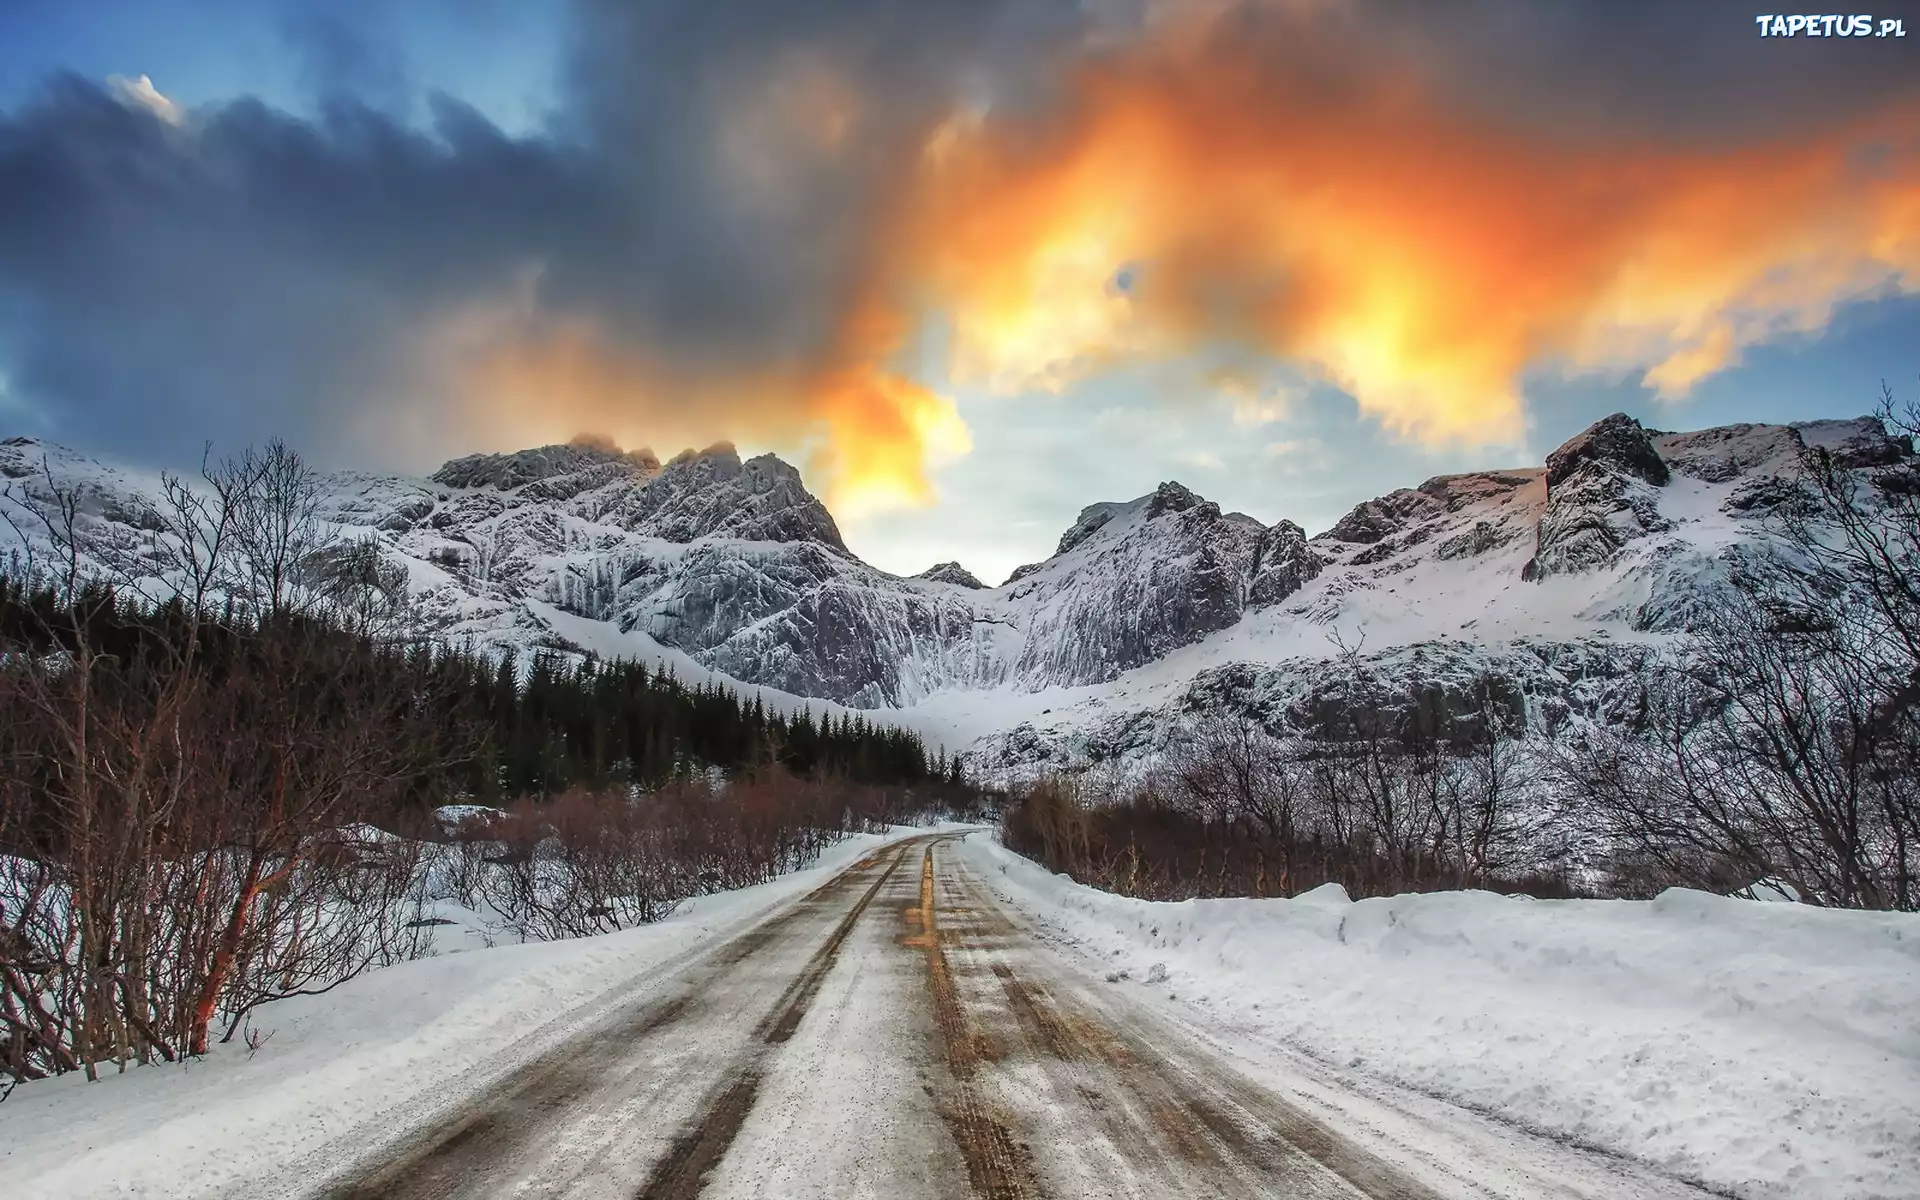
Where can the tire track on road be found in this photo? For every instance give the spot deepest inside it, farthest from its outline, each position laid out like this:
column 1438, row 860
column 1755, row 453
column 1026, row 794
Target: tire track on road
column 999, row 1165
column 511, row 1114
column 1173, row 1117
column 682, row 1173
column 496, row 1126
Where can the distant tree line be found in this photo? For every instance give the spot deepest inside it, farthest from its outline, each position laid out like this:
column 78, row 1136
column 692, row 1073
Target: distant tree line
column 589, row 723
column 510, row 730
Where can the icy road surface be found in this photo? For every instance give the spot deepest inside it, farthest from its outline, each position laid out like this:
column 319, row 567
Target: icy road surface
column 900, row 1033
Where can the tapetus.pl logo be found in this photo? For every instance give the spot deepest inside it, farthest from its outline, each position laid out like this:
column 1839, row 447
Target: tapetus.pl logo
column 1854, row 25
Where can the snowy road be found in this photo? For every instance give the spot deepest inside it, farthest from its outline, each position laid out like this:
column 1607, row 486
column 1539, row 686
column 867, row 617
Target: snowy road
column 900, row 1033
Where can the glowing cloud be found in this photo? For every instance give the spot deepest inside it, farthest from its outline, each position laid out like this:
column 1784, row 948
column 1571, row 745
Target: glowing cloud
column 139, row 92
column 881, row 429
column 1187, row 193
column 868, row 431
column 1421, row 258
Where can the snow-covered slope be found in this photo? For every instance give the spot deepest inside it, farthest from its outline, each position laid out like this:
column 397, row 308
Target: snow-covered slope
column 1551, row 577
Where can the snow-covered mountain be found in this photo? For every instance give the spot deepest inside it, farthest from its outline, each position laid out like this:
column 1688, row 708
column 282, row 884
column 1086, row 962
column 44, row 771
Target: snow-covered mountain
column 1550, row 578
column 1551, row 582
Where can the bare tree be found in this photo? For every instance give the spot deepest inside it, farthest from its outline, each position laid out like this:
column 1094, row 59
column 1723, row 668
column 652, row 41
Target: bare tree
column 273, row 499
column 1240, row 777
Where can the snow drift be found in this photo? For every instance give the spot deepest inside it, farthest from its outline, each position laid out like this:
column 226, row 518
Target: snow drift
column 1767, row 1050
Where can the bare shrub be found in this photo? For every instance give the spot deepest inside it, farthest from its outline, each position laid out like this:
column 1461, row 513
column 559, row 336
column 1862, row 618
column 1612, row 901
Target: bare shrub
column 1240, row 812
column 187, row 734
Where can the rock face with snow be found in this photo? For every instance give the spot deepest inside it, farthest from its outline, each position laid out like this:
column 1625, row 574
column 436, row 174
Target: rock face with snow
column 1284, row 565
column 951, row 572
column 1130, row 582
column 737, row 565
column 1601, row 494
column 1411, row 517
column 734, row 563
column 706, row 494
column 1547, row 578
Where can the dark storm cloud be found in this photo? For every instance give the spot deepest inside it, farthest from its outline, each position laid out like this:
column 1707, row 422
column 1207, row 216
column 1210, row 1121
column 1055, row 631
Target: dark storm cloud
column 658, row 90
column 1697, row 68
column 255, row 272
column 252, row 272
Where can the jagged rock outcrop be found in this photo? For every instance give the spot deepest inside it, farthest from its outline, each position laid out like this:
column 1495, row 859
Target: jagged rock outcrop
column 1372, row 521
column 1093, row 518
column 1861, row 442
column 1730, row 451
column 1388, row 526
column 1131, row 582
column 709, row 493
column 714, row 494
column 1601, row 494
column 582, row 464
column 1283, row 566
column 1617, row 443
column 951, row 572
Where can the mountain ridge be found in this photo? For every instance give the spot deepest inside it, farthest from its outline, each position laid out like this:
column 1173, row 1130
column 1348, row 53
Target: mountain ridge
column 1148, row 611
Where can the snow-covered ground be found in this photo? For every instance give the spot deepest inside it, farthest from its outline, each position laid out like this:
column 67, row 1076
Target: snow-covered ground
column 1767, row 1050
column 1764, row 1050
column 407, row 1041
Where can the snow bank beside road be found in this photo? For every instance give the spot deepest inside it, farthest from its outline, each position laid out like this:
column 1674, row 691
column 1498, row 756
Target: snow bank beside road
column 1770, row 1050
column 346, row 1070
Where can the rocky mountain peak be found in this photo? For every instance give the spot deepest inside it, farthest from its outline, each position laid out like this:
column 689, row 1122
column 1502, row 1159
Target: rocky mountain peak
column 951, row 572
column 1601, row 494
column 1729, row 451
column 724, row 454
column 1171, row 497
column 1092, row 519
column 713, row 493
column 1618, row 442
column 1860, row 442
column 1371, row 520
column 1283, row 565
column 506, row 472
column 698, row 494
column 1132, row 581
column 1464, row 516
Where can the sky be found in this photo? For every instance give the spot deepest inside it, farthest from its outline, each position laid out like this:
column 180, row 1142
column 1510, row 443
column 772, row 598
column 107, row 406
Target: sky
column 971, row 267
